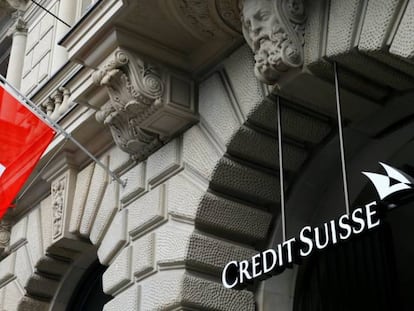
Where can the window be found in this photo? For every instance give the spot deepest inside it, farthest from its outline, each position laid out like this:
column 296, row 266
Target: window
column 5, row 47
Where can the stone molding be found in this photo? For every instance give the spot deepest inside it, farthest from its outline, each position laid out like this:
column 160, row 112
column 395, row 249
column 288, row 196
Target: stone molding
column 275, row 32
column 147, row 104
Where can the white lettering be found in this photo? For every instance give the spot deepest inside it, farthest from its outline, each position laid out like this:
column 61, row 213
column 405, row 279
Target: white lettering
column 266, row 268
column 224, row 275
column 358, row 220
column 306, row 240
column 345, row 226
column 318, row 237
column 333, row 232
column 288, row 243
column 371, row 213
column 255, row 264
column 243, row 270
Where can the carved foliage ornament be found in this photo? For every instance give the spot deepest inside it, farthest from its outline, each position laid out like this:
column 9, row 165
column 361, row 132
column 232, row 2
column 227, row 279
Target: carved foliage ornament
column 135, row 89
column 58, row 201
column 5, row 229
column 274, row 29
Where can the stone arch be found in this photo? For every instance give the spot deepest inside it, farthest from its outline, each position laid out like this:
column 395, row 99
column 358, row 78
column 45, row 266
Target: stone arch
column 207, row 197
column 310, row 205
column 181, row 217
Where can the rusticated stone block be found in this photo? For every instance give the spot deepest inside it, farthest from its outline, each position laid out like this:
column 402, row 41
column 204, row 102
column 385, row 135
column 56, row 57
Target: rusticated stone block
column 172, row 244
column 30, row 304
column 249, row 91
column 402, row 44
column 42, row 287
column 106, row 212
column 143, row 256
column 7, row 266
column 147, row 211
column 206, row 294
column 217, row 110
column 128, row 300
column 98, row 186
column 206, row 253
column 34, row 235
column 232, row 219
column 246, row 182
column 200, row 152
column 163, row 162
column 115, row 238
column 119, row 272
column 46, row 217
column 178, row 290
column 23, row 268
column 52, row 266
column 83, row 182
column 13, row 293
column 18, row 234
column 135, row 179
column 183, row 197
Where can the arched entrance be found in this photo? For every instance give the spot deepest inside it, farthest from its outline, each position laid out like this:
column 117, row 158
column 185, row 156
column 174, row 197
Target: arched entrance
column 370, row 272
column 88, row 294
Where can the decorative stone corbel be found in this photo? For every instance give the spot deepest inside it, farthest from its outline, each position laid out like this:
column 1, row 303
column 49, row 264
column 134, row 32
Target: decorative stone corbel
column 274, row 30
column 147, row 104
column 57, row 104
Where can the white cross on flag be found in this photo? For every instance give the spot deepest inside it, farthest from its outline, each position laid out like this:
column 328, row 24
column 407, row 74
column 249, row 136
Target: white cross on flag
column 23, row 139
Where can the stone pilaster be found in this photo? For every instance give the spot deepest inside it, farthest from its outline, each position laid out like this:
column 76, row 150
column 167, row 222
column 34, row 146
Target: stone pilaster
column 18, row 49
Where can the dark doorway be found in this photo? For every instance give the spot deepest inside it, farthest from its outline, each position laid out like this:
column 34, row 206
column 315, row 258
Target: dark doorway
column 89, row 294
column 359, row 274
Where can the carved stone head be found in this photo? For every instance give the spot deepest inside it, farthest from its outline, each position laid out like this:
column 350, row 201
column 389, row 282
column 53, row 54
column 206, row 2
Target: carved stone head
column 274, row 30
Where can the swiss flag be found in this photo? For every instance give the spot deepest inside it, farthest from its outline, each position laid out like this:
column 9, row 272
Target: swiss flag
column 23, row 139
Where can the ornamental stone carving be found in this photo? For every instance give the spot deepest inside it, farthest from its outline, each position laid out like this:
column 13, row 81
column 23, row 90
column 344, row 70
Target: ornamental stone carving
column 5, row 229
column 147, row 104
column 274, row 30
column 57, row 104
column 58, row 201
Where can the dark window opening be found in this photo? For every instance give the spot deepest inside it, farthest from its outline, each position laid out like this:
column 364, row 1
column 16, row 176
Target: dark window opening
column 5, row 47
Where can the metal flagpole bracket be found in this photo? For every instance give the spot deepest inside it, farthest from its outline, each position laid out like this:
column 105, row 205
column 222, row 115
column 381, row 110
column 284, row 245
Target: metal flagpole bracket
column 54, row 125
column 341, row 140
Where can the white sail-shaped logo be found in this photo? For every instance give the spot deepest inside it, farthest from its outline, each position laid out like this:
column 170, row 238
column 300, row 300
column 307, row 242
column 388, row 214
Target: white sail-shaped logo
column 393, row 182
column 2, row 169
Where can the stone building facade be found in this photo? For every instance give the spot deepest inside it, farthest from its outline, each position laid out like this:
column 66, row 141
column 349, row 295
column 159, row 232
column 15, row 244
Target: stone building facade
column 178, row 99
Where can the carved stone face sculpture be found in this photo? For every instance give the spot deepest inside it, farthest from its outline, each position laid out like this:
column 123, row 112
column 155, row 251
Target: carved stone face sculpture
column 274, row 31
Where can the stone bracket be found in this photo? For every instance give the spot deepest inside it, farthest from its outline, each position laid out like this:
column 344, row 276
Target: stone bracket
column 148, row 104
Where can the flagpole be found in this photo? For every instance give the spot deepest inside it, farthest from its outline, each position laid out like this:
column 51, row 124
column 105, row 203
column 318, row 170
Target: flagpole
column 54, row 125
column 341, row 140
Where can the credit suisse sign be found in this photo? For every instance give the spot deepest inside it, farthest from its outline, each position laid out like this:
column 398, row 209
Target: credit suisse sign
column 237, row 274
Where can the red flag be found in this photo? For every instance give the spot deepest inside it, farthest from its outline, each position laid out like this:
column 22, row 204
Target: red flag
column 23, row 139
